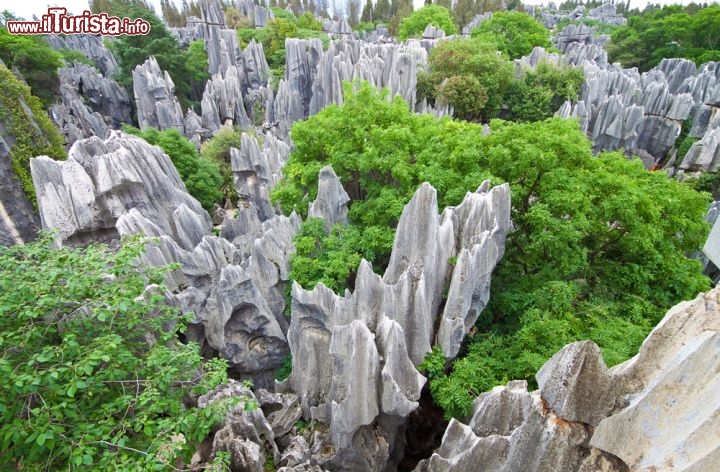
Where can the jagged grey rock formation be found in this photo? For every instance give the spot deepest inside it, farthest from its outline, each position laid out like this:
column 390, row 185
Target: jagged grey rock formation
column 376, row 336
column 475, row 22
column 256, row 172
column 91, row 104
column 222, row 101
column 433, row 32
column 332, row 199
column 90, row 45
column 84, row 196
column 621, row 109
column 157, row 106
column 657, row 411
column 234, row 287
column 256, row 13
column 244, row 432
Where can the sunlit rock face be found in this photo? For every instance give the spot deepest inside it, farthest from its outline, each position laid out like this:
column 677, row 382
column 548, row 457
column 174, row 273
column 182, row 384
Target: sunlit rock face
column 355, row 356
column 657, row 411
column 234, row 287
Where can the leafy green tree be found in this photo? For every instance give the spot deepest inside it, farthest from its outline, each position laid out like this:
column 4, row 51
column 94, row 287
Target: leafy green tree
column 93, row 378
column 333, row 258
column 308, row 21
column 471, row 63
column 414, row 25
column 382, row 11
column 33, row 133
column 35, row 61
column 598, row 248
column 539, row 93
column 201, row 176
column 672, row 31
column 367, row 12
column 514, row 33
column 597, row 253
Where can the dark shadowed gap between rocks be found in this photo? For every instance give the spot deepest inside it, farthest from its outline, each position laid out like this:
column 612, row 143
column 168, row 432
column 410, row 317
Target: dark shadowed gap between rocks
column 423, row 431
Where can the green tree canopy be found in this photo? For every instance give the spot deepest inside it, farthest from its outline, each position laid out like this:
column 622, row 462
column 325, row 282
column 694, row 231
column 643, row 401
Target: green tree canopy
column 477, row 77
column 598, row 248
column 514, row 33
column 672, row 31
column 35, row 61
column 414, row 25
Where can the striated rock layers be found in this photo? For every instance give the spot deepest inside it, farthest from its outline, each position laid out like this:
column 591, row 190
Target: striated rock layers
column 255, row 171
column 313, row 78
column 234, row 284
column 657, row 411
column 644, row 113
column 91, row 104
column 355, row 356
column 157, row 106
column 89, row 44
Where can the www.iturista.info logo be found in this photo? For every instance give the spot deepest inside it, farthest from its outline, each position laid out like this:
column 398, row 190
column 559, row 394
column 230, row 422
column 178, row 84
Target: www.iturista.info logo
column 57, row 21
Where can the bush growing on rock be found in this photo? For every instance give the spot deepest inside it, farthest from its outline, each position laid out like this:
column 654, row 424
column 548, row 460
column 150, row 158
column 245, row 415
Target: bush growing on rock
column 33, row 133
column 414, row 25
column 201, row 175
column 474, row 70
column 93, row 378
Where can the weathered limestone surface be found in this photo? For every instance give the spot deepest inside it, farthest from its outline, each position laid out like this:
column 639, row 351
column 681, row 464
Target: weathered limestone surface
column 376, row 336
column 84, row 196
column 257, row 13
column 91, row 104
column 657, row 411
column 433, row 32
column 244, row 432
column 256, row 172
column 234, row 287
column 89, row 44
column 222, row 101
column 331, row 202
column 157, row 106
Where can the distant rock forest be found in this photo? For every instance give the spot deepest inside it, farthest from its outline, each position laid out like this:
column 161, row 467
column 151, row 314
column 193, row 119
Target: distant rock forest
column 362, row 236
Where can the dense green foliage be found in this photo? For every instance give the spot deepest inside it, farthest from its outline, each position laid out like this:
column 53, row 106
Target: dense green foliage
column 598, row 247
column 92, row 379
column 201, row 175
column 514, row 33
column 540, row 92
column 414, row 25
column 478, row 77
column 217, row 151
column 333, row 258
column 33, row 135
column 673, row 31
column 35, row 61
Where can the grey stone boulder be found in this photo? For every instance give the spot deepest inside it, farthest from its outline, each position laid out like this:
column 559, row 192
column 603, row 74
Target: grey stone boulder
column 433, row 32
column 576, row 384
column 244, row 433
column 157, row 106
column 670, row 389
column 281, row 410
column 84, row 196
column 332, row 201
